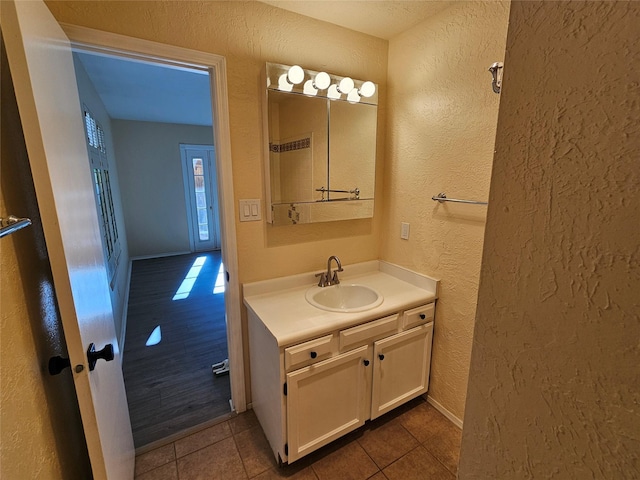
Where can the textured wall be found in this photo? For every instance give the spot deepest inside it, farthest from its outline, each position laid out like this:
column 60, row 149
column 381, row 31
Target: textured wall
column 40, row 429
column 249, row 34
column 553, row 389
column 151, row 184
column 441, row 130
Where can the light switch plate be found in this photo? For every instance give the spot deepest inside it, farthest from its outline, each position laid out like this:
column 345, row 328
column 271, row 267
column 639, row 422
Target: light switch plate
column 250, row 210
column 404, row 231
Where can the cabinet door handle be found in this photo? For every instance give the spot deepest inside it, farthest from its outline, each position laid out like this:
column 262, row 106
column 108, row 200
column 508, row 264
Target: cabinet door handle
column 366, row 363
column 423, row 316
column 381, row 356
column 314, row 354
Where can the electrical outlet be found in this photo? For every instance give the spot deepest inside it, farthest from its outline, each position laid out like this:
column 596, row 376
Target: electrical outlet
column 404, row 231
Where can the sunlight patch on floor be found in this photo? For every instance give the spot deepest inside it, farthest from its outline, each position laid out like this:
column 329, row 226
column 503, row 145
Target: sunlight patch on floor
column 190, row 279
column 155, row 337
column 219, row 286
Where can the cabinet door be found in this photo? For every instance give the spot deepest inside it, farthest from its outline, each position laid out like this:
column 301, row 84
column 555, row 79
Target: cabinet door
column 400, row 368
column 327, row 400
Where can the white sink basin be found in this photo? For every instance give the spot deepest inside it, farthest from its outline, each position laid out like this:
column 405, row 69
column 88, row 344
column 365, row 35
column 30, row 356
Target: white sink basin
column 344, row 298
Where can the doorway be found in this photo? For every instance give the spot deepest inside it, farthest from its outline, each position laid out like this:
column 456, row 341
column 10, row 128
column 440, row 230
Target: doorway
column 224, row 237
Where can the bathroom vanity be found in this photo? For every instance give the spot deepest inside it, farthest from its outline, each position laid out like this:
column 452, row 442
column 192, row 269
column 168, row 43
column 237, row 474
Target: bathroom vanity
column 317, row 374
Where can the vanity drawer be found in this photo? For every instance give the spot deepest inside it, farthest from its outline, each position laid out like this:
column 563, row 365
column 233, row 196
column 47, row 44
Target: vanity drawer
column 368, row 332
column 309, row 352
column 418, row 316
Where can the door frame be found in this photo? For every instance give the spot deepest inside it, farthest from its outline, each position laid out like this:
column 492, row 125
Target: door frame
column 113, row 44
column 210, row 190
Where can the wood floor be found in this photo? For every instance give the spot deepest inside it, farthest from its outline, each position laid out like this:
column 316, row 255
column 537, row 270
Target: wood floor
column 170, row 386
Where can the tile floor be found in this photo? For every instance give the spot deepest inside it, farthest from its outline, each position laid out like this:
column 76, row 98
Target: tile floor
column 413, row 442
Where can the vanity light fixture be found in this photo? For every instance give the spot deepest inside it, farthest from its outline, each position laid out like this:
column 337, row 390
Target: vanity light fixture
column 296, row 79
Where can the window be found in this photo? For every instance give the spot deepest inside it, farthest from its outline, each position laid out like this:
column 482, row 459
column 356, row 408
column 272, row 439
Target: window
column 102, row 188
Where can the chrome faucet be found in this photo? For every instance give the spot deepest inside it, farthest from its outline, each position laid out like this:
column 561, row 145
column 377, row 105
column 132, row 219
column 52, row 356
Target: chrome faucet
column 329, row 278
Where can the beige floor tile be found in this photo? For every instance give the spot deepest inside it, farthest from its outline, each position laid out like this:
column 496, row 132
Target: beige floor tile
column 387, row 442
column 244, row 421
column 305, row 473
column 424, row 421
column 418, row 464
column 254, row 451
column 202, row 439
column 350, row 462
column 378, row 476
column 220, row 461
column 445, row 446
column 154, row 458
column 165, row 472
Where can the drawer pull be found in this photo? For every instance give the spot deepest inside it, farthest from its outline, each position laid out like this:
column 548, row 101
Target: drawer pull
column 314, row 354
column 366, row 363
column 381, row 356
column 423, row 316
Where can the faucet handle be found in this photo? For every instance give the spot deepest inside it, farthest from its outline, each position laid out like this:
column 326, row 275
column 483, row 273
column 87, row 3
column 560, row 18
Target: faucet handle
column 323, row 279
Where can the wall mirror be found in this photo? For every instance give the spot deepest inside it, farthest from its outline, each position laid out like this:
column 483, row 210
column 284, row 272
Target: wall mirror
column 321, row 139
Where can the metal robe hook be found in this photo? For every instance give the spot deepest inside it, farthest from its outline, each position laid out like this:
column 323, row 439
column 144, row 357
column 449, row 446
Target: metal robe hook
column 496, row 72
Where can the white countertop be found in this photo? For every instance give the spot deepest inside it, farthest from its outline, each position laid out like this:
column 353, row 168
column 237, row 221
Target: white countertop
column 281, row 305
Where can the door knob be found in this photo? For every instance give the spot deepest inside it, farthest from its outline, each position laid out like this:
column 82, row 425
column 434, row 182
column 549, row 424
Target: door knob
column 57, row 364
column 381, row 356
column 92, row 355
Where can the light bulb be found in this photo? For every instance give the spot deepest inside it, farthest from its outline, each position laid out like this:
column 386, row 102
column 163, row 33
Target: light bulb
column 333, row 92
column 353, row 96
column 309, row 88
column 345, row 85
column 295, row 75
column 283, row 84
column 367, row 89
column 322, row 81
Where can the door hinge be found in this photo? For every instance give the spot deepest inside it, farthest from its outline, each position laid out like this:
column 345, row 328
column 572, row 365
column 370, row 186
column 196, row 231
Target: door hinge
column 284, row 389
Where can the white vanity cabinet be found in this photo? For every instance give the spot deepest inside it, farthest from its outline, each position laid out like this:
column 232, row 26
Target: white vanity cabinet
column 307, row 394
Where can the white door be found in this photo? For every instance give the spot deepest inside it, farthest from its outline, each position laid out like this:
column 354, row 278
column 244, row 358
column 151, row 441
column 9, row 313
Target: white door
column 40, row 59
column 199, row 175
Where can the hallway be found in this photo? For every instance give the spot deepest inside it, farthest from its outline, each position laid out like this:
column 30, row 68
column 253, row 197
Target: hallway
column 175, row 331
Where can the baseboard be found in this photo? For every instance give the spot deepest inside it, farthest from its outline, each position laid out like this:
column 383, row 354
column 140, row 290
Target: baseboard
column 160, row 255
column 125, row 309
column 455, row 420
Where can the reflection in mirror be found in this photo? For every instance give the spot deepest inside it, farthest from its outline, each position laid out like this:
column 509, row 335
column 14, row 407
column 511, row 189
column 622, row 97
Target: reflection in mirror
column 321, row 150
column 352, row 149
column 297, row 146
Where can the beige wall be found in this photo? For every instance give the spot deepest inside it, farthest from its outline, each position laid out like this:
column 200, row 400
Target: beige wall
column 441, row 129
column 151, row 183
column 553, row 389
column 249, row 34
column 40, row 431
